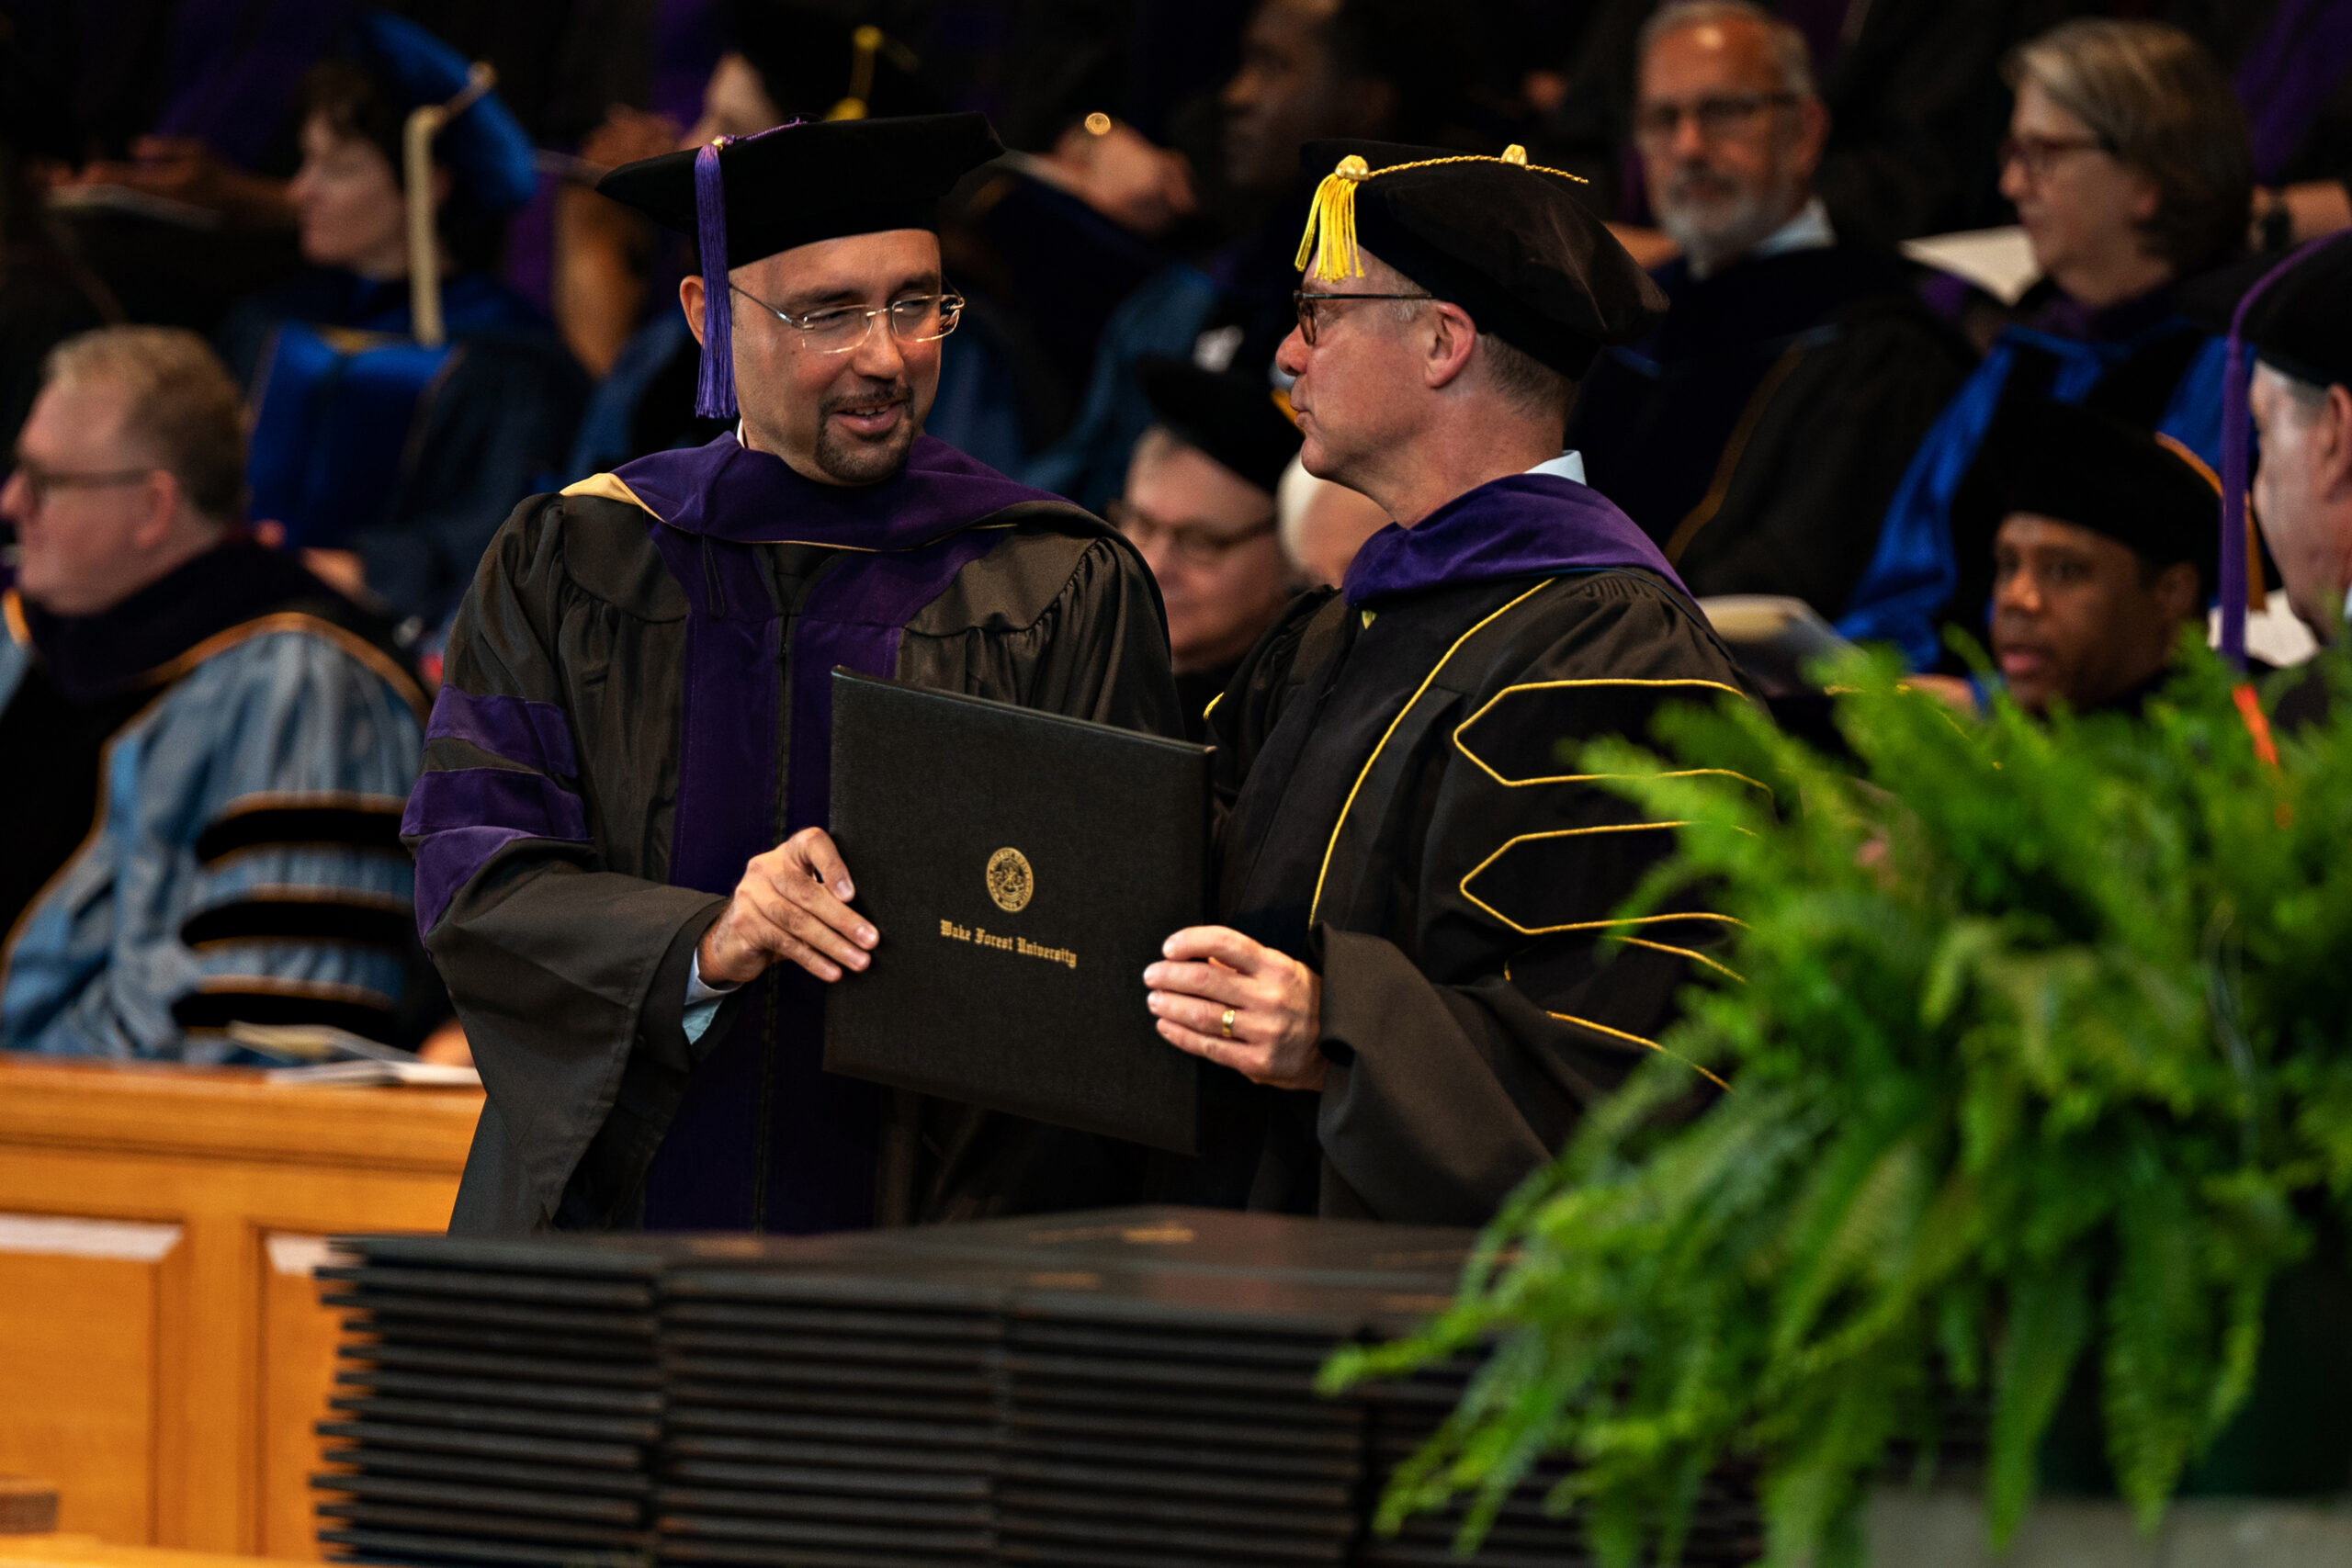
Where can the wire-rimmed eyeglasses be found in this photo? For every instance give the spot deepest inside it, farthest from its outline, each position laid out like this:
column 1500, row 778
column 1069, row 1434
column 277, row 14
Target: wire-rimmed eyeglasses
column 919, row 318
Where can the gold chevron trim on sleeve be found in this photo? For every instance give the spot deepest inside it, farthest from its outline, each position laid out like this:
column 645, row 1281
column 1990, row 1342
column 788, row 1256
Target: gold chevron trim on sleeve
column 1513, row 843
column 1637, row 1040
column 1315, row 906
column 1462, row 731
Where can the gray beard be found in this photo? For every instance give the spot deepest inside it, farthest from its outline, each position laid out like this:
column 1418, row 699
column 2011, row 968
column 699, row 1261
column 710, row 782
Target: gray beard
column 1715, row 233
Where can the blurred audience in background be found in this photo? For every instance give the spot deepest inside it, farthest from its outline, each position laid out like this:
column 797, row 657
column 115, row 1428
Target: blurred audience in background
column 2128, row 165
column 1758, row 434
column 242, row 737
column 388, row 447
column 1199, row 504
column 1320, row 523
column 2104, row 554
column 1309, row 69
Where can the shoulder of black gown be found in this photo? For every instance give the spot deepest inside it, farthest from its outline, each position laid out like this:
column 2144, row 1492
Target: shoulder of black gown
column 589, row 545
column 1284, row 656
column 1046, row 547
column 1625, row 620
column 1582, row 656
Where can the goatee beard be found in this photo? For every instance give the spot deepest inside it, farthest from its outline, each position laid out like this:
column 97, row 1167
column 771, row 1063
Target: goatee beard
column 849, row 460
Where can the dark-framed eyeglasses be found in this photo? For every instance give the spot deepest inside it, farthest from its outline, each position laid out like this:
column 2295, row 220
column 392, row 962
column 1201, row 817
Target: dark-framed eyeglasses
column 1310, row 307
column 40, row 483
column 1193, row 544
column 1717, row 116
column 2039, row 156
column 919, row 318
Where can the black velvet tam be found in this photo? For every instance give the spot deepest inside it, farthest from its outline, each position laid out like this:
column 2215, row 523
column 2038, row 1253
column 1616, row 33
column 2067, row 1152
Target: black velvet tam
column 1510, row 244
column 801, row 184
column 2303, row 323
column 1232, row 418
column 2080, row 466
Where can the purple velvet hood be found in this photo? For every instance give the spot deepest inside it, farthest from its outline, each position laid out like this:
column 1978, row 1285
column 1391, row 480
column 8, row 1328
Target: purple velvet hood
column 725, row 491
column 1520, row 525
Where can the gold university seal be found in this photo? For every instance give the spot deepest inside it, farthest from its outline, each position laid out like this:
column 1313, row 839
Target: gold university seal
column 1011, row 881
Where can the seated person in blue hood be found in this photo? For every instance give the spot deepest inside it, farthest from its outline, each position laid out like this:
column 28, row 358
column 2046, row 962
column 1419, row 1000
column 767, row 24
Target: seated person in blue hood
column 403, row 399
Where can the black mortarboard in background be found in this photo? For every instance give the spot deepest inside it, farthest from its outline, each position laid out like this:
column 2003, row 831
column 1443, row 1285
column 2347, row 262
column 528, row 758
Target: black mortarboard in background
column 2291, row 308
column 2077, row 466
column 821, row 59
column 751, row 197
column 2301, row 323
column 1233, row 419
column 1507, row 242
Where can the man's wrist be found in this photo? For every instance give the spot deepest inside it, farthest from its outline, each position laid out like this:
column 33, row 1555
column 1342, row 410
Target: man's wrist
column 700, row 990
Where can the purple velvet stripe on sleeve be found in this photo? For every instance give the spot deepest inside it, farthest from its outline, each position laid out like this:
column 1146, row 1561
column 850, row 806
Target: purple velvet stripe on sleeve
column 456, row 819
column 536, row 735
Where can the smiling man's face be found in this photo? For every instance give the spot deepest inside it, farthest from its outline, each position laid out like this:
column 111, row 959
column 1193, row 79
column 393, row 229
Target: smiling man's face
column 845, row 418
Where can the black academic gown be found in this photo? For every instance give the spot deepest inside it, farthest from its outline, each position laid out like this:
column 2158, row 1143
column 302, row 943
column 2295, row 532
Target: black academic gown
column 1402, row 810
column 1760, row 433
column 567, row 948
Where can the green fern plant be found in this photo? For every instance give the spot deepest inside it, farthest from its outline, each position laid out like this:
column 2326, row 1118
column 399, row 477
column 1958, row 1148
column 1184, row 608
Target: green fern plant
column 2039, row 1052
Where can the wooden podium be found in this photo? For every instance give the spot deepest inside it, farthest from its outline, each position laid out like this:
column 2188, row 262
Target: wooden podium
column 163, row 1351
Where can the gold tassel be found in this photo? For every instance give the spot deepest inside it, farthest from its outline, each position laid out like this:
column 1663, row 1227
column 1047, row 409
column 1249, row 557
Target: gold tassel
column 864, row 44
column 1333, row 218
column 417, row 132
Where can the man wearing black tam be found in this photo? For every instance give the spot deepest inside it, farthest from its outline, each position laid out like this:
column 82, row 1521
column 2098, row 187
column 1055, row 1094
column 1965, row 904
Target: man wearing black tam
column 623, row 865
column 2104, row 550
column 2301, row 331
column 1419, row 965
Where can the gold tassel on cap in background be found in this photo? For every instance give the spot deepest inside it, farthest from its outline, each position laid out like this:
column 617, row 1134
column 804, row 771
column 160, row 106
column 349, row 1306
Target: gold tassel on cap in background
column 1331, row 238
column 864, row 44
column 422, row 125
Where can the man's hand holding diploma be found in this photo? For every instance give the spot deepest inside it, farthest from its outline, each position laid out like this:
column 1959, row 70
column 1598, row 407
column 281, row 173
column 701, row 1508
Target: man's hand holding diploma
column 1241, row 1004
column 792, row 905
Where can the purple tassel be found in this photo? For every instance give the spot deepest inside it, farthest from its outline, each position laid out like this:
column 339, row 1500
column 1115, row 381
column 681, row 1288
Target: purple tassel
column 2236, row 432
column 714, row 392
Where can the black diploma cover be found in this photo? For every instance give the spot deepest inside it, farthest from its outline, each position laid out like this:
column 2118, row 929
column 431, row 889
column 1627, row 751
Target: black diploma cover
column 1023, row 869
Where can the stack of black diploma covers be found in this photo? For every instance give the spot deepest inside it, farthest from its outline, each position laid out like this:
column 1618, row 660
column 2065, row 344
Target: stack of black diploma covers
column 1130, row 1389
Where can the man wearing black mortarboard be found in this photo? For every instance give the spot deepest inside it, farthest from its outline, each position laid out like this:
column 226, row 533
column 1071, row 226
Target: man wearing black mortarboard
column 2296, row 317
column 2104, row 551
column 1200, row 505
column 1419, row 965
column 620, row 833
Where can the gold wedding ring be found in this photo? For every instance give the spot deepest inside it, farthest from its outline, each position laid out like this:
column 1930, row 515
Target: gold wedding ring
column 1226, row 1023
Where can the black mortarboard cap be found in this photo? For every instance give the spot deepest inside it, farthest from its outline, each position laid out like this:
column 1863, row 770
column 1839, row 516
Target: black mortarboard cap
column 2293, row 310
column 2078, row 466
column 746, row 197
column 818, row 61
column 1234, row 419
column 1506, row 241
column 2299, row 322
column 2303, row 323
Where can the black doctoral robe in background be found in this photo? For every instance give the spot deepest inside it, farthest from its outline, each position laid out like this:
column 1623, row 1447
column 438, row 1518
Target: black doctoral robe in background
column 1760, row 433
column 1399, row 813
column 568, row 952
